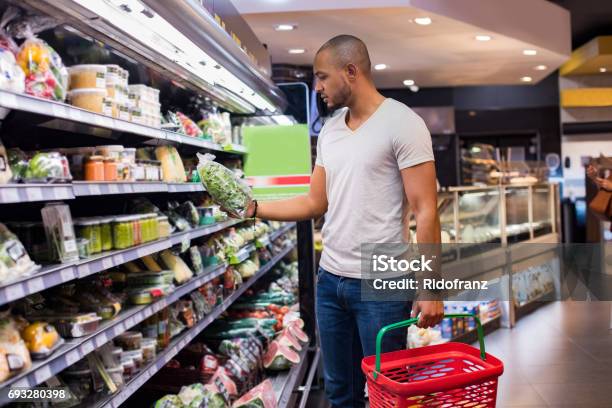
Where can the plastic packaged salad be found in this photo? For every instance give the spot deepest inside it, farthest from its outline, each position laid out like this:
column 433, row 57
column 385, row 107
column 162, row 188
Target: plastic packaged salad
column 231, row 193
column 14, row 260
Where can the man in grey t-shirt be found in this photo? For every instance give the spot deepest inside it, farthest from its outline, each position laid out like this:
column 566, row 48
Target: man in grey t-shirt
column 374, row 158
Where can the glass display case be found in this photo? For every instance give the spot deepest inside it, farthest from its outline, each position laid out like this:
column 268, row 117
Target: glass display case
column 503, row 214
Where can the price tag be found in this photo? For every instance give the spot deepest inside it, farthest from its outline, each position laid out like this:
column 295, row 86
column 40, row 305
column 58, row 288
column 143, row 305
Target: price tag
column 142, row 252
column 113, row 189
column 34, row 194
column 67, row 274
column 127, row 188
column 9, row 100
column 72, row 357
column 87, row 347
column 118, row 259
column 9, row 195
column 75, row 114
column 94, row 189
column 83, row 270
column 61, row 193
column 14, row 292
column 23, row 383
column 120, row 328
column 42, row 374
column 107, row 263
column 129, row 322
column 101, row 339
column 59, row 111
column 36, row 285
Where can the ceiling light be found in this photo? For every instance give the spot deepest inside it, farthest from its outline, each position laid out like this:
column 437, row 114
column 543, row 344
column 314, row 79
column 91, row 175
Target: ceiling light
column 423, row 20
column 540, row 67
column 602, row 69
column 530, row 52
column 380, row 67
column 285, row 27
column 526, row 79
column 296, row 51
column 409, row 82
column 482, row 37
column 414, row 88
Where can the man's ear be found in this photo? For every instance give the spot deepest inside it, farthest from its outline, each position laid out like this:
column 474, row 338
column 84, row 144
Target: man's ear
column 351, row 71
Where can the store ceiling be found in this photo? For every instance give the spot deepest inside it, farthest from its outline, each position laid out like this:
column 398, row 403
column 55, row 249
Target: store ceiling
column 443, row 53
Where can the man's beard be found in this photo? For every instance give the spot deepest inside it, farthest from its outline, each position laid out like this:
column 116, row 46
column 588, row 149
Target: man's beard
column 342, row 98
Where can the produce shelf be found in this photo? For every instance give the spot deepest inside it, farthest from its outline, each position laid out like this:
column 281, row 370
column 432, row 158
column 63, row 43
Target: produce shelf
column 284, row 383
column 62, row 111
column 282, row 230
column 180, row 341
column 54, row 275
column 75, row 349
column 19, row 193
column 533, row 304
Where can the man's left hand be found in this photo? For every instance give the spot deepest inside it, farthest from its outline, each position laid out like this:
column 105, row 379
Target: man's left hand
column 430, row 312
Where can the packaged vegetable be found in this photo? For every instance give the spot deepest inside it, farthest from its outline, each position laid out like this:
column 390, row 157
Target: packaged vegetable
column 18, row 161
column 190, row 213
column 41, row 339
column 14, row 355
column 14, row 260
column 47, row 167
column 59, row 232
column 182, row 273
column 223, row 186
column 171, row 163
column 12, row 77
column 279, row 357
column 169, row 401
column 196, row 260
column 45, row 74
column 186, row 125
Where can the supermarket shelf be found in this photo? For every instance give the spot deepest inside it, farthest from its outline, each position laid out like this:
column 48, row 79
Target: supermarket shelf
column 57, row 274
column 76, row 349
column 285, row 382
column 472, row 335
column 235, row 148
column 305, row 389
column 62, row 111
column 533, row 304
column 282, row 230
column 19, row 193
column 185, row 338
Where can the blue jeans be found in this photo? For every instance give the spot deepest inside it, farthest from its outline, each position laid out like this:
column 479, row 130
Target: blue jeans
column 348, row 327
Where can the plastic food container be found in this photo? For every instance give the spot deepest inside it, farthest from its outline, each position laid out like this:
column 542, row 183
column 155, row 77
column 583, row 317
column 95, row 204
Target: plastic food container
column 113, row 74
column 129, row 154
column 136, row 223
column 129, row 340
column 206, row 215
column 124, row 111
column 106, row 232
column 111, row 151
column 137, row 116
column 90, row 230
column 123, row 232
column 83, row 247
column 150, row 278
column 76, row 325
column 109, row 107
column 137, row 358
column 91, row 99
column 87, row 76
column 163, row 226
column 115, row 356
column 110, row 169
column 116, row 375
column 153, row 171
column 147, row 294
column 139, row 172
column 94, row 168
column 79, row 381
column 129, row 368
column 149, row 349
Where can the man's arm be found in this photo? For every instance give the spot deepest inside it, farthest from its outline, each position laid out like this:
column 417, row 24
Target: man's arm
column 420, row 188
column 304, row 207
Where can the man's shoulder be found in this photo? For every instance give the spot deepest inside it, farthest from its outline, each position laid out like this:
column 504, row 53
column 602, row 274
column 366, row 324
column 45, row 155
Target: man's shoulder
column 396, row 107
column 333, row 120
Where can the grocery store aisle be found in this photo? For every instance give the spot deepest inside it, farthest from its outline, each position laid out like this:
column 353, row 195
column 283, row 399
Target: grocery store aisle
column 558, row 356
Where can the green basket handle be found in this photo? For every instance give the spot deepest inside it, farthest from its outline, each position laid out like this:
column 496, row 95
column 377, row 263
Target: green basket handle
column 412, row 321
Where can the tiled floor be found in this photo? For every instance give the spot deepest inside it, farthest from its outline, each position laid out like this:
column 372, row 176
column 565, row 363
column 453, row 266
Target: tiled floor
column 558, row 356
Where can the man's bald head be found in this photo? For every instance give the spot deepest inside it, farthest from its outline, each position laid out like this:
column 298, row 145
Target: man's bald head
column 347, row 49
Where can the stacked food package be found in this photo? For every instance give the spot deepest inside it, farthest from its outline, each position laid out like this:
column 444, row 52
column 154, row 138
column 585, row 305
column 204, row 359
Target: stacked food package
column 144, row 105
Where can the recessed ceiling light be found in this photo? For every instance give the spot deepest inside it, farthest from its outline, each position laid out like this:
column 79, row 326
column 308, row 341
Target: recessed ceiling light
column 423, row 20
column 285, row 27
column 483, row 37
column 526, row 79
column 409, row 82
column 603, row 69
column 540, row 67
column 414, row 88
column 296, row 50
column 530, row 52
column 380, row 67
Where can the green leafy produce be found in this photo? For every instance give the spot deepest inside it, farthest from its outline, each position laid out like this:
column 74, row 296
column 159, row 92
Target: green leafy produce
column 223, row 186
column 45, row 166
column 169, row 401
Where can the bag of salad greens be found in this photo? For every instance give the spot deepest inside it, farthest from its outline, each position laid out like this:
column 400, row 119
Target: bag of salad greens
column 227, row 190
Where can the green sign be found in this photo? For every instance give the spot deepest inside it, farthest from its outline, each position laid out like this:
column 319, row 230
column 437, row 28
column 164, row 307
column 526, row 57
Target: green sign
column 278, row 164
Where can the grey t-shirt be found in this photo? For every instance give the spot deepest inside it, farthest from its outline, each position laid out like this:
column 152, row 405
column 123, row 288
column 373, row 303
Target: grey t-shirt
column 364, row 186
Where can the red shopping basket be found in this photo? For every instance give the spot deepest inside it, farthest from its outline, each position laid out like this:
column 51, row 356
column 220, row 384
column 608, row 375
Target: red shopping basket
column 450, row 375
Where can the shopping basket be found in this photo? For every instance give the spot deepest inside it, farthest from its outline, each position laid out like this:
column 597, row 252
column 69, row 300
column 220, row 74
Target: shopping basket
column 449, row 375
